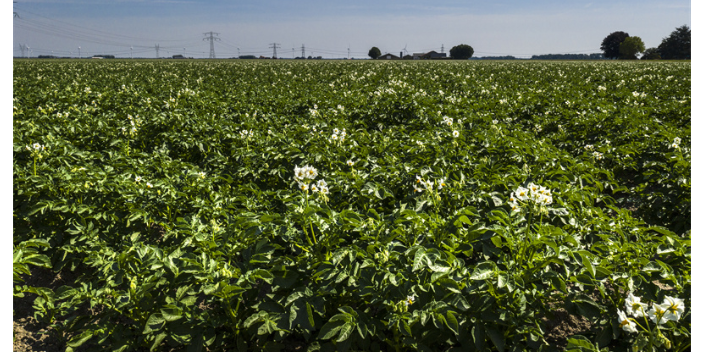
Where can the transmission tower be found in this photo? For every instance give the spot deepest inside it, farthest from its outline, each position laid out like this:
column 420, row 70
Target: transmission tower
column 275, row 46
column 14, row 13
column 303, row 51
column 212, row 42
column 442, row 49
column 348, row 51
column 157, row 50
column 22, row 49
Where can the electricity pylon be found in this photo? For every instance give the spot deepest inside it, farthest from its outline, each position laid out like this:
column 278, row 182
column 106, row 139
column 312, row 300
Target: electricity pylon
column 275, row 46
column 212, row 42
column 157, row 50
column 303, row 51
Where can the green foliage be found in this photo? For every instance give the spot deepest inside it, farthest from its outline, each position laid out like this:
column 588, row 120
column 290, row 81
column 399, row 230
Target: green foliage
column 374, row 52
column 461, row 52
column 611, row 45
column 678, row 46
column 651, row 54
column 169, row 189
column 630, row 47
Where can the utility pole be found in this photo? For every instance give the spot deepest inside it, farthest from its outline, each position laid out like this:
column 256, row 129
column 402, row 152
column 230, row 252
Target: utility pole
column 275, row 46
column 293, row 53
column 156, row 46
column 442, row 49
column 212, row 42
column 348, row 51
column 238, row 53
column 184, row 53
column 131, row 53
column 22, row 50
column 303, row 51
column 79, row 52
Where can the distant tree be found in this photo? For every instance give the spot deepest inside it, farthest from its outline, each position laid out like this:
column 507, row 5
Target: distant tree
column 374, row 52
column 678, row 46
column 630, row 47
column 650, row 54
column 461, row 52
column 611, row 44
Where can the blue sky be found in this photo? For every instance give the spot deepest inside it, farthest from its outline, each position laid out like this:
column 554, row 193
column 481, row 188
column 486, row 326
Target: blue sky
column 519, row 28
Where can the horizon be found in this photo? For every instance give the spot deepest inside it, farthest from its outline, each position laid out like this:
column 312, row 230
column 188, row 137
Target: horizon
column 507, row 28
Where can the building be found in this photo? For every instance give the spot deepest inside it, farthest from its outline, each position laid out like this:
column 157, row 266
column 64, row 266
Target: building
column 389, row 57
column 429, row 55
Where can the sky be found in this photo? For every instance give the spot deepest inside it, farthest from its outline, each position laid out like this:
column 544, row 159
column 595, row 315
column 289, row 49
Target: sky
column 329, row 28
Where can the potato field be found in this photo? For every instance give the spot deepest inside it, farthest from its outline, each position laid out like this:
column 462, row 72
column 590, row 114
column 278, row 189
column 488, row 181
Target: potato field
column 261, row 205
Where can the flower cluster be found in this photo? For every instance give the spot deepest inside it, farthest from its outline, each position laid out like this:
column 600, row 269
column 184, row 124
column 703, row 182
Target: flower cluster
column 305, row 176
column 671, row 309
column 598, row 156
column 676, row 143
column 246, row 134
column 427, row 184
column 338, row 135
column 535, row 194
column 36, row 148
column 138, row 179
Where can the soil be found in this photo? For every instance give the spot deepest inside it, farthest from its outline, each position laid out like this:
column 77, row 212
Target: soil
column 29, row 334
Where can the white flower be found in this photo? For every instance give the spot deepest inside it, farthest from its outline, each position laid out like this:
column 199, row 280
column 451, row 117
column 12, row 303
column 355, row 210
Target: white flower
column 674, row 307
column 417, row 189
column 522, row 193
column 589, row 147
column 137, row 178
column 633, row 306
column 28, row 147
column 303, row 186
column 314, row 188
column 441, row 183
column 677, row 140
column 419, row 143
column 514, row 206
column 322, row 183
column 311, row 172
column 37, row 146
column 324, row 190
column 350, row 163
column 334, row 137
column 201, row 174
column 625, row 323
column 455, row 134
column 658, row 314
column 149, row 185
column 336, row 131
column 449, row 122
column 299, row 173
column 409, row 300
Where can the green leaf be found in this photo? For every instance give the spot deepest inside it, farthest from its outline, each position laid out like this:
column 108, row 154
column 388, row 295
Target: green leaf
column 331, row 328
column 578, row 341
column 452, row 322
column 345, row 332
column 484, row 270
column 157, row 341
column 405, row 328
column 496, row 337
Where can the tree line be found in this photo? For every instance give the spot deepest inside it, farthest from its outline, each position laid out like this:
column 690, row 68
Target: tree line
column 617, row 45
column 677, row 46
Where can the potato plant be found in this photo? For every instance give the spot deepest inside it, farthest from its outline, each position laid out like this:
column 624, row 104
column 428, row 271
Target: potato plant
column 348, row 206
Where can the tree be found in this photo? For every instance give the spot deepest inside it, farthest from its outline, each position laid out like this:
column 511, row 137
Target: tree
column 650, row 54
column 630, row 47
column 374, row 52
column 461, row 52
column 611, row 44
column 678, row 46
